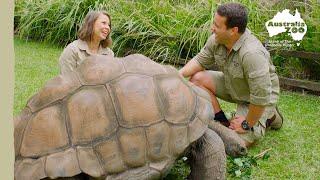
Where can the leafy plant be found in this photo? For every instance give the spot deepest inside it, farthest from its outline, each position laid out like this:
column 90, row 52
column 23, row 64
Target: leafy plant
column 180, row 170
column 241, row 167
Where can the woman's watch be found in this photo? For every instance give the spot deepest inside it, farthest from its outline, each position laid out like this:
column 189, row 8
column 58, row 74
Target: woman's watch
column 245, row 126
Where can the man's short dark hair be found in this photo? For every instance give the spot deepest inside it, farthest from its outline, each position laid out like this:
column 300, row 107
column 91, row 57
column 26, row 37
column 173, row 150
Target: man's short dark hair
column 236, row 14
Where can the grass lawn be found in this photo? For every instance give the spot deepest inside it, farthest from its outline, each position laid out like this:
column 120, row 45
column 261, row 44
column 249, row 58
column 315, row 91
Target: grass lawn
column 295, row 152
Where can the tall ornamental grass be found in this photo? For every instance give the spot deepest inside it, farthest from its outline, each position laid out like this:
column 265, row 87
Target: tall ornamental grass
column 165, row 30
column 162, row 30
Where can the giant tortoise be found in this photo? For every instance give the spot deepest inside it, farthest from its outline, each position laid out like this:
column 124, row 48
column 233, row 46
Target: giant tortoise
column 120, row 118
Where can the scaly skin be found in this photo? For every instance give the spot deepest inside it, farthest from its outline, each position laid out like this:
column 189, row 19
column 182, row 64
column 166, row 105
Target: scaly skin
column 208, row 160
column 234, row 145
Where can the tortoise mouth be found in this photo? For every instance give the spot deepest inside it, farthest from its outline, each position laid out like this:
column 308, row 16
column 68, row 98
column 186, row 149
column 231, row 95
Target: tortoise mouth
column 236, row 151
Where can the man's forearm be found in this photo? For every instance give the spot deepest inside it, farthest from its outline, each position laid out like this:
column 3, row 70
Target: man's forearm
column 254, row 114
column 190, row 68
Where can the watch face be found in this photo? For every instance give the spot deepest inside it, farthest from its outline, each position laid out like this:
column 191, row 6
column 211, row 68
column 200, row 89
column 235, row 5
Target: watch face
column 245, row 125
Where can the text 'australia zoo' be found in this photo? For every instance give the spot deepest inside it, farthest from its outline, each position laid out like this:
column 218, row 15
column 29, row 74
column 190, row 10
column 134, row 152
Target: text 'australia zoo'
column 294, row 26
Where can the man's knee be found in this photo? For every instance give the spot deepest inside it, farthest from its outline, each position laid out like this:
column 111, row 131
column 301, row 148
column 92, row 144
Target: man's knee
column 198, row 77
column 203, row 79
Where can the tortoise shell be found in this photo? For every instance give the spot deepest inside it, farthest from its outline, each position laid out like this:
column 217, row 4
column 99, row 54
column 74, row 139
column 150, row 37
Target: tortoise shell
column 113, row 117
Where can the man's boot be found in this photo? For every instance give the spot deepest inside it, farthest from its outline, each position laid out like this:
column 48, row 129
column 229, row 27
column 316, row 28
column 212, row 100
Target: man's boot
column 276, row 121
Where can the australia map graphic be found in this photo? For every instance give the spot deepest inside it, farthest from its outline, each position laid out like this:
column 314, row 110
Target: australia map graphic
column 284, row 22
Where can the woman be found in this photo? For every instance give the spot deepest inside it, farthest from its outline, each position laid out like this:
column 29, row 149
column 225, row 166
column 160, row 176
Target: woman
column 94, row 38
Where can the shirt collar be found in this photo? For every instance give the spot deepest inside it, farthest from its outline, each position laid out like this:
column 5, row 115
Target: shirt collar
column 240, row 41
column 83, row 45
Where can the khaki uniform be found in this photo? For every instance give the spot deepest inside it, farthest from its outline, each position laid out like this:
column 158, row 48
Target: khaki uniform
column 75, row 53
column 246, row 76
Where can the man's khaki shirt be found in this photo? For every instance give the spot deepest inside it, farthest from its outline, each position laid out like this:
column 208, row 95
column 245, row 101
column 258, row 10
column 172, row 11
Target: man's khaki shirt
column 75, row 53
column 249, row 75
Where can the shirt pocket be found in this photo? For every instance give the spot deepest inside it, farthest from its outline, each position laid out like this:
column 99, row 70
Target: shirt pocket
column 238, row 85
column 235, row 70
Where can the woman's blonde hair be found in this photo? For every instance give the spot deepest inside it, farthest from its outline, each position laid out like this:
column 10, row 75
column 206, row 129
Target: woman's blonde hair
column 86, row 31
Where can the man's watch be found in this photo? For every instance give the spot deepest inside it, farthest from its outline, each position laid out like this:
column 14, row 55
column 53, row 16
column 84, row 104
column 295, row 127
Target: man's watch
column 245, row 125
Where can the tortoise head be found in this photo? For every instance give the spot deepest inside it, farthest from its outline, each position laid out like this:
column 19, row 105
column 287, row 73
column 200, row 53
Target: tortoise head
column 236, row 149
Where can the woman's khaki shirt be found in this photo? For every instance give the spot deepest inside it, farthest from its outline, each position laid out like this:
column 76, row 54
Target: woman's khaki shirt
column 75, row 53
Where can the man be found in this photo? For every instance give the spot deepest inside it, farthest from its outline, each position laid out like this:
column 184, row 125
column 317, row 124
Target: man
column 248, row 76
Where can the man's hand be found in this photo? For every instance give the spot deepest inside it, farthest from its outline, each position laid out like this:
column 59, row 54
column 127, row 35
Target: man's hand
column 181, row 74
column 190, row 68
column 235, row 124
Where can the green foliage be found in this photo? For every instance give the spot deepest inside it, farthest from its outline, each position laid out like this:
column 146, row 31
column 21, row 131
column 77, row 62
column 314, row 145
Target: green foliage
column 170, row 31
column 161, row 30
column 179, row 171
column 51, row 21
column 241, row 167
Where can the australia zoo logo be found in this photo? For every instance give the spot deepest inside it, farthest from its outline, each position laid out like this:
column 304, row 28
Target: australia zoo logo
column 284, row 22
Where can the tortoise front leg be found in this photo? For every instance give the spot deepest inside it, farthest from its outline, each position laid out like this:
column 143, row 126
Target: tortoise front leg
column 234, row 145
column 208, row 158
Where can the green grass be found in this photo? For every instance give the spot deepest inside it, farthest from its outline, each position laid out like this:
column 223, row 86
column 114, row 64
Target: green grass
column 295, row 150
column 35, row 63
column 295, row 147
